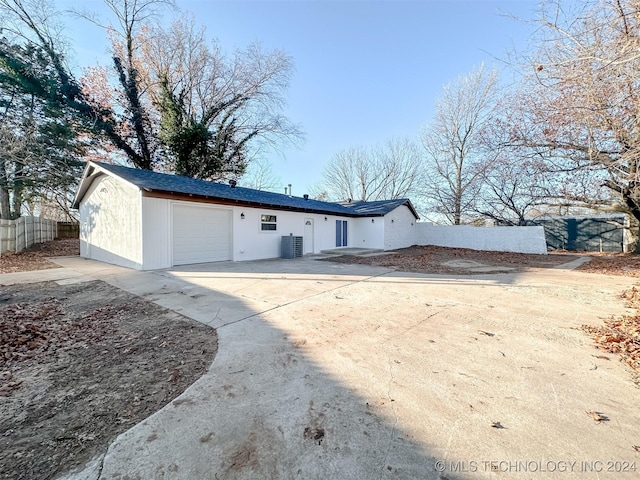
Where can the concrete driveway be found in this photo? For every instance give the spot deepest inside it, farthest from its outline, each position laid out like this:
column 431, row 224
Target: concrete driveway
column 340, row 371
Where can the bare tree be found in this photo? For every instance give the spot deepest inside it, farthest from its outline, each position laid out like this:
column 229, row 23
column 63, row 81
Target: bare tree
column 582, row 100
column 36, row 24
column 385, row 172
column 135, row 131
column 348, row 175
column 401, row 165
column 455, row 152
column 217, row 111
column 511, row 189
column 260, row 176
column 208, row 113
column 517, row 182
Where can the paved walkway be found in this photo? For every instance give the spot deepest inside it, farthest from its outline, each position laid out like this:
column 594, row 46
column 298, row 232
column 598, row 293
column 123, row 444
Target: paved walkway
column 333, row 371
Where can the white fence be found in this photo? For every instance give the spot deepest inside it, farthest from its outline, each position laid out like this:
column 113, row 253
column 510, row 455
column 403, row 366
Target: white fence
column 501, row 239
column 16, row 235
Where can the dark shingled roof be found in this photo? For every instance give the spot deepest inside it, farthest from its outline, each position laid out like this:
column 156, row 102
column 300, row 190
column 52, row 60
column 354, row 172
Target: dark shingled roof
column 175, row 184
column 380, row 207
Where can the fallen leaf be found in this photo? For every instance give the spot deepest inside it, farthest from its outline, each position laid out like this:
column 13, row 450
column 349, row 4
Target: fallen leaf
column 497, row 425
column 597, row 416
column 175, row 374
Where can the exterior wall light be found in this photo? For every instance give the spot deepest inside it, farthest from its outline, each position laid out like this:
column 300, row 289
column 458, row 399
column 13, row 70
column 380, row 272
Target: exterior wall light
column 242, row 215
column 373, row 220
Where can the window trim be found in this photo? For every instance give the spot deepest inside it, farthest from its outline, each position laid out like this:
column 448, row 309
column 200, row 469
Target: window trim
column 268, row 220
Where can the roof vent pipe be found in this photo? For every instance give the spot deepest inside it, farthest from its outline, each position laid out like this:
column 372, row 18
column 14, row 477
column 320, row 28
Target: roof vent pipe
column 290, row 191
column 233, row 183
column 305, row 196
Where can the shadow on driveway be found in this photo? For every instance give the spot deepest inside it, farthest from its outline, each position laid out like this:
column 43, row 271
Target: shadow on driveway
column 352, row 372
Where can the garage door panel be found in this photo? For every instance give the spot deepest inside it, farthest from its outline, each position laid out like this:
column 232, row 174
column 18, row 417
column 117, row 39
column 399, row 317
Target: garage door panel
column 201, row 234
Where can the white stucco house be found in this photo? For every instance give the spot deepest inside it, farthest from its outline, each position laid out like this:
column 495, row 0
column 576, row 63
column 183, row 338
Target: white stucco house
column 148, row 220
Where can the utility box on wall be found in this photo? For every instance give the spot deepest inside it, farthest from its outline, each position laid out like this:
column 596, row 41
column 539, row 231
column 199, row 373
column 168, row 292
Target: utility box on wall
column 291, row 247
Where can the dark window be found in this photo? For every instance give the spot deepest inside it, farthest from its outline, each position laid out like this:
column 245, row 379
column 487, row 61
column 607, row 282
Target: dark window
column 268, row 223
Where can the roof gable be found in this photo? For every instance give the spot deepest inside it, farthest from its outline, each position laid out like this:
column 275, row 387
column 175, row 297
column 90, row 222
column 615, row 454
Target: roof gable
column 149, row 181
column 381, row 207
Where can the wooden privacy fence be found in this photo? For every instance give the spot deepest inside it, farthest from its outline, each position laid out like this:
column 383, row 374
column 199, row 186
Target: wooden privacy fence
column 16, row 235
column 68, row 230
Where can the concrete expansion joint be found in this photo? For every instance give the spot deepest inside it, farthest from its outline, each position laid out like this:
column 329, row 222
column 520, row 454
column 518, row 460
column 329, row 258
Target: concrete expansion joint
column 101, row 467
column 299, row 300
column 215, row 317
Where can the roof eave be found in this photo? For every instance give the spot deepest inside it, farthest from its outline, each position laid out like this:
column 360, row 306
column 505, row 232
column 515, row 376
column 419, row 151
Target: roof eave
column 251, row 204
column 89, row 174
column 412, row 209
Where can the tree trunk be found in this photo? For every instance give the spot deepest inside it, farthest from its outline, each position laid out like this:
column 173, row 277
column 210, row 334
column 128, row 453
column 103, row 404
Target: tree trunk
column 5, row 205
column 458, row 194
column 634, row 209
column 636, row 249
column 17, row 199
column 5, row 212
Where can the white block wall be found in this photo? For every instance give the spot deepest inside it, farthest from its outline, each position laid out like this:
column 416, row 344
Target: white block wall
column 501, row 239
column 399, row 228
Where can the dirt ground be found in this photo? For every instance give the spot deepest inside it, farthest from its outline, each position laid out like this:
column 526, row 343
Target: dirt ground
column 613, row 264
column 82, row 363
column 34, row 258
column 432, row 259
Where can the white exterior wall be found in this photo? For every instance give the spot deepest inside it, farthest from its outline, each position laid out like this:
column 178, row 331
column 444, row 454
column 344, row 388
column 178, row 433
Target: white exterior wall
column 365, row 233
column 156, row 233
column 399, row 228
column 121, row 227
column 325, row 233
column 251, row 243
column 500, row 239
column 110, row 223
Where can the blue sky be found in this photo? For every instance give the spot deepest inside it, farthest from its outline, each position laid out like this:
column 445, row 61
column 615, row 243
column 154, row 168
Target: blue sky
column 366, row 71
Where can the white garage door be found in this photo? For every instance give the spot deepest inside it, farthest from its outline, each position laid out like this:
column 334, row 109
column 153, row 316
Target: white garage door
column 201, row 234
